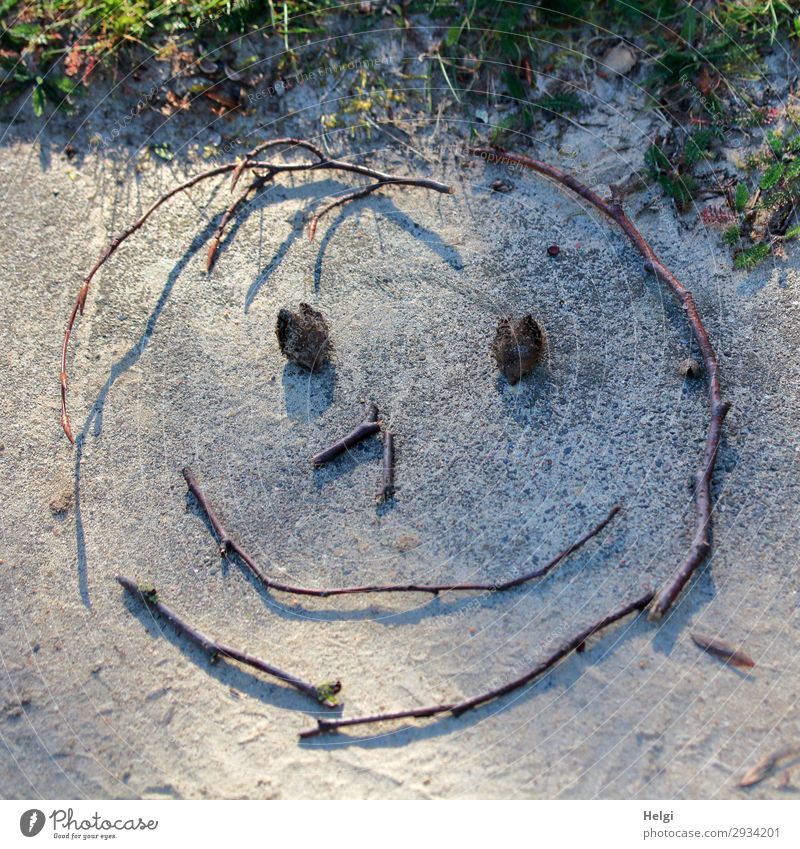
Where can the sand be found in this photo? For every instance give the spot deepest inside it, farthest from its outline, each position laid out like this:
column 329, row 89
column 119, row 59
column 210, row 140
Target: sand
column 172, row 366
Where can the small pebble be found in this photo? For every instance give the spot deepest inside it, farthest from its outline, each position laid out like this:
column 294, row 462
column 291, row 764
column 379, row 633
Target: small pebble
column 554, row 250
column 690, row 368
column 60, row 505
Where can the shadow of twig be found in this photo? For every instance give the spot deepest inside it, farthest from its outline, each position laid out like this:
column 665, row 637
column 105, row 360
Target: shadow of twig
column 428, row 237
column 266, row 690
column 568, row 670
column 94, row 420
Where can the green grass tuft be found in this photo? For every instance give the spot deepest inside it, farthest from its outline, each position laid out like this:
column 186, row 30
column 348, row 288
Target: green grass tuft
column 750, row 258
column 732, row 235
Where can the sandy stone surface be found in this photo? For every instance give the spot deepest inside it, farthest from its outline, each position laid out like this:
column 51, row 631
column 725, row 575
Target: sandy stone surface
column 172, row 366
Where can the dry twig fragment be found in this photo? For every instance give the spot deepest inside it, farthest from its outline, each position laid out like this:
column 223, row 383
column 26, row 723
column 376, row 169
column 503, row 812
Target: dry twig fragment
column 766, row 766
column 324, row 693
column 368, row 427
column 386, row 489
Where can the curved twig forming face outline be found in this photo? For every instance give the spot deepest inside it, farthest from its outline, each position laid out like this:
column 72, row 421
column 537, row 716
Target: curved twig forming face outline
column 271, row 170
column 659, row 603
column 701, row 543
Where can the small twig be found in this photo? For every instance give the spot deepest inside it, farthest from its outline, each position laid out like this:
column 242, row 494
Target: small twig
column 228, row 545
column 370, row 412
column 457, row 708
column 724, row 651
column 254, row 186
column 765, row 767
column 248, row 162
column 367, row 428
column 386, row 490
column 701, row 544
column 324, row 694
column 248, row 157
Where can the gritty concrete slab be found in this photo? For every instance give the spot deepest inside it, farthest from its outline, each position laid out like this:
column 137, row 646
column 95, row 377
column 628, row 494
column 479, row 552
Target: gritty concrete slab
column 173, row 366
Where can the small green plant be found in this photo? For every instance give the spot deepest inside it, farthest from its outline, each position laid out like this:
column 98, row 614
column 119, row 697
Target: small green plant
column 149, row 592
column 328, row 693
column 763, row 216
column 740, row 196
column 732, row 235
column 759, row 18
column 751, row 257
column 674, row 172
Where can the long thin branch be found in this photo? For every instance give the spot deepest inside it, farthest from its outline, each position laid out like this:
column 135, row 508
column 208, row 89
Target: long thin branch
column 326, row 163
column 324, row 694
column 248, row 162
column 227, row 545
column 701, row 542
column 457, row 708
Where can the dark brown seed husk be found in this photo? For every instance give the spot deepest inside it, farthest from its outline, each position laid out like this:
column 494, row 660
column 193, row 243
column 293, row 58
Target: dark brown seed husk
column 518, row 346
column 303, row 337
